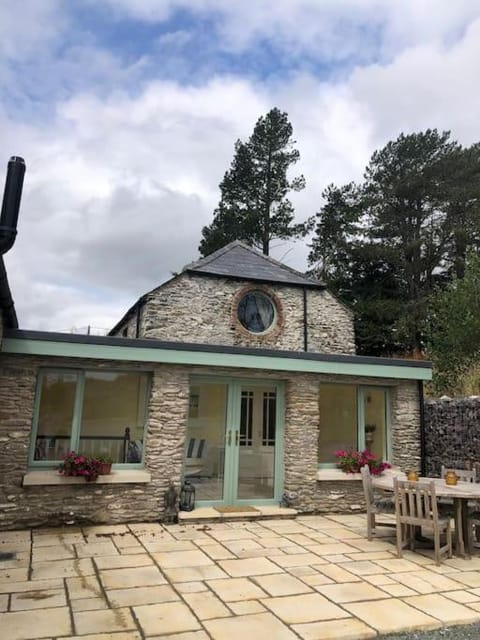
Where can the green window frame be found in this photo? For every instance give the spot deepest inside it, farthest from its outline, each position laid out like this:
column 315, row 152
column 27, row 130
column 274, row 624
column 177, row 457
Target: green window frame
column 83, row 401
column 362, row 393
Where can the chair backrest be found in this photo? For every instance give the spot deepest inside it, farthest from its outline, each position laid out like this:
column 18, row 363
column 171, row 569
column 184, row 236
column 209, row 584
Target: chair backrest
column 415, row 502
column 195, row 448
column 367, row 484
column 464, row 475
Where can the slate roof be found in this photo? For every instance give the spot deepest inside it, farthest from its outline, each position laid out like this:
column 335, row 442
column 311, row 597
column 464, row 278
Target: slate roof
column 238, row 260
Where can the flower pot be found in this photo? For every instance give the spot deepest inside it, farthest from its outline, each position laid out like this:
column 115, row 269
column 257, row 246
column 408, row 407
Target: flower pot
column 104, row 468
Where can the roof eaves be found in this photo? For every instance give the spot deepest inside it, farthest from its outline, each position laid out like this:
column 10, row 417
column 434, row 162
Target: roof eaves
column 153, row 343
column 140, row 301
column 7, row 306
column 213, row 274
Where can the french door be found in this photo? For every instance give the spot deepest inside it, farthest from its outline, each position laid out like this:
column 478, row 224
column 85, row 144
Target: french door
column 234, row 445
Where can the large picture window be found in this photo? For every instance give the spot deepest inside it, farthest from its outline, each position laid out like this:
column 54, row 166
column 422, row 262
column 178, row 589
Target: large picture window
column 352, row 417
column 98, row 413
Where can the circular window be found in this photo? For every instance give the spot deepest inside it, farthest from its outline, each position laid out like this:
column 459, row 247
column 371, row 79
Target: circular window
column 256, row 311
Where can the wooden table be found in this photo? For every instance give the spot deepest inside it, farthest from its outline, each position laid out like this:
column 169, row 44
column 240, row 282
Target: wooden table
column 461, row 493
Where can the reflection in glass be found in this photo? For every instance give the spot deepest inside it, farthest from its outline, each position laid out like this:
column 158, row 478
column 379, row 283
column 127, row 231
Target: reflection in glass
column 338, row 420
column 113, row 415
column 57, row 399
column 375, row 422
column 256, row 457
column 256, row 311
column 205, row 442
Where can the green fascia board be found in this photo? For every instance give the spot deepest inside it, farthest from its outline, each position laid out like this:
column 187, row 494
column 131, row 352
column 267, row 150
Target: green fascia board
column 214, row 359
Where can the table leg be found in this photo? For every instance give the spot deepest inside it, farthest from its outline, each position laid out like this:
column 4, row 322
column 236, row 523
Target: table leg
column 467, row 529
column 462, row 543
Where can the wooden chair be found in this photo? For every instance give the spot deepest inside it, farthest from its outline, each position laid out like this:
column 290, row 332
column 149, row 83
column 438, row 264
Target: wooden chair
column 416, row 506
column 464, row 475
column 375, row 505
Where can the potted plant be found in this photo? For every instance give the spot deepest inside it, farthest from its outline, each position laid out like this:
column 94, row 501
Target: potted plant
column 351, row 461
column 77, row 464
column 105, row 465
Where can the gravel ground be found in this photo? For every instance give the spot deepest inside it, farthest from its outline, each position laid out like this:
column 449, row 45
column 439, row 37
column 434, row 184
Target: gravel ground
column 465, row 632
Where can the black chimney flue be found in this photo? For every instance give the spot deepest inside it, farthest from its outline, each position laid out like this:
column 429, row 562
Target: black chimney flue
column 11, row 202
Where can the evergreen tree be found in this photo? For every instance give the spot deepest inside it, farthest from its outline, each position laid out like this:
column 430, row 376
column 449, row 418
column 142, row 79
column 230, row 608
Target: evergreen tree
column 254, row 206
column 406, row 195
column 454, row 328
column 385, row 245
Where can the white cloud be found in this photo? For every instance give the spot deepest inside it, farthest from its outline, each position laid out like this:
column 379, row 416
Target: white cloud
column 328, row 28
column 119, row 183
column 27, row 26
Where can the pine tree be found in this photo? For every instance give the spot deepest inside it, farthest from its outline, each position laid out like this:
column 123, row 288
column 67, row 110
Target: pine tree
column 254, row 206
column 387, row 244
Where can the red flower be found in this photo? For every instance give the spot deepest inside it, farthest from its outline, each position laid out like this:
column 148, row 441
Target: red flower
column 351, row 461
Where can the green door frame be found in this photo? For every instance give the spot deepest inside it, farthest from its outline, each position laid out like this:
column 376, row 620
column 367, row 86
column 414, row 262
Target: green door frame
column 232, row 448
column 362, row 394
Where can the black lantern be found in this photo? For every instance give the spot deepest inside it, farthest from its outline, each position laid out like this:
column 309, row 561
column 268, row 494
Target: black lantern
column 170, row 501
column 187, row 497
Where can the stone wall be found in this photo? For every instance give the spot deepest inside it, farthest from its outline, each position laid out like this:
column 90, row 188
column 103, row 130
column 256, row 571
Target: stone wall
column 192, row 308
column 405, row 420
column 452, row 433
column 41, row 505
column 165, row 441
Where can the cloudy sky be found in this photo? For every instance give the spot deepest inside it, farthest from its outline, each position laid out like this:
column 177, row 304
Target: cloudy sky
column 126, row 112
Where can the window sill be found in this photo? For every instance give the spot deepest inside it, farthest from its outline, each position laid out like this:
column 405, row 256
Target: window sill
column 51, row 477
column 337, row 475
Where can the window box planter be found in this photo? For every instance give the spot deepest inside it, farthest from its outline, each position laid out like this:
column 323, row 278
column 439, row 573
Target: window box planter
column 104, row 468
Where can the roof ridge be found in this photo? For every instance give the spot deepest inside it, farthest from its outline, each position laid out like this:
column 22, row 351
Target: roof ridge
column 282, row 265
column 203, row 262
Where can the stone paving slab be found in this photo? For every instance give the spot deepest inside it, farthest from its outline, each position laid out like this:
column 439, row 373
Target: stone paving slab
column 282, row 585
column 311, row 607
column 141, row 595
column 131, row 577
column 170, row 617
column 129, row 635
column 89, row 604
column 30, row 625
column 234, row 589
column 388, row 616
column 442, row 608
column 103, row 620
column 259, row 625
column 315, row 578
column 206, row 605
column 350, row 629
column 14, row 575
column 38, row 599
column 62, row 569
column 122, row 562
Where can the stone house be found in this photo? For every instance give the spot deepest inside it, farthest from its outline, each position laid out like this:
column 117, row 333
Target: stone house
column 239, row 374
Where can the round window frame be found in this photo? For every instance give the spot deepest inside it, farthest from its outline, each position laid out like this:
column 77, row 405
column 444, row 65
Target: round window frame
column 277, row 322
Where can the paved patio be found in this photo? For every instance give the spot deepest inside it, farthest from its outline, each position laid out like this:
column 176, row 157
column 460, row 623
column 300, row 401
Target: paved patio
column 313, row 578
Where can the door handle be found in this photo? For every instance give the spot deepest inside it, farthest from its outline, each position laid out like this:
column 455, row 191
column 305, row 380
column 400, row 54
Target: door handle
column 229, row 437
column 237, row 438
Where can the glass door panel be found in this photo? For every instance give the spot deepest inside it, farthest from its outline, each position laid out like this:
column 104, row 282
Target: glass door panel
column 255, row 438
column 375, row 416
column 205, row 442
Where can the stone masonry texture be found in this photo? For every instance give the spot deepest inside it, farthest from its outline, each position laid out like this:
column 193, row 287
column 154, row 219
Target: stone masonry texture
column 165, row 442
column 452, row 433
column 192, row 308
